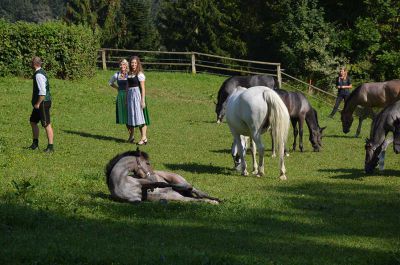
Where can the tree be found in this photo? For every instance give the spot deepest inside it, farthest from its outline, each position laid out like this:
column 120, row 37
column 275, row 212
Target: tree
column 139, row 30
column 83, row 12
column 123, row 23
column 306, row 41
column 201, row 25
column 31, row 10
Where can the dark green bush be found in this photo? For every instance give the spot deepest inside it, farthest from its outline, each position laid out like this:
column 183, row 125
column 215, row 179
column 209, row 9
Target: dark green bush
column 68, row 52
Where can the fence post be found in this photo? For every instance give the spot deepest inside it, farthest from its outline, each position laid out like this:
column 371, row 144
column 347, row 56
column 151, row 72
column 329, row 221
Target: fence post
column 279, row 75
column 103, row 59
column 310, row 90
column 193, row 63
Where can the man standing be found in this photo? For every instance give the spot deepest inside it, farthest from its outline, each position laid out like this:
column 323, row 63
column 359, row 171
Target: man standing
column 41, row 102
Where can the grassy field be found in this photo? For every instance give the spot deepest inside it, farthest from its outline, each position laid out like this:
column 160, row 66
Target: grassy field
column 54, row 208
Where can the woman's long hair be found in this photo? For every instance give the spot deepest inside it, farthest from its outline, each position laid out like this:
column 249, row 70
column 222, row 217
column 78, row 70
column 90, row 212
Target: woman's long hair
column 344, row 77
column 124, row 62
column 139, row 67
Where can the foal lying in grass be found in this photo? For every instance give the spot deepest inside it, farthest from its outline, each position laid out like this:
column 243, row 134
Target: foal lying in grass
column 131, row 178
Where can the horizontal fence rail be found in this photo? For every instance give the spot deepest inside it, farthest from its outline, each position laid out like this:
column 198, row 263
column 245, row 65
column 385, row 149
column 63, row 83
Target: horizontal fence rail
column 194, row 62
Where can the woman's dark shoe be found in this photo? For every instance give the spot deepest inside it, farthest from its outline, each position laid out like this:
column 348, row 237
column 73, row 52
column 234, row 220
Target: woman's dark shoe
column 142, row 142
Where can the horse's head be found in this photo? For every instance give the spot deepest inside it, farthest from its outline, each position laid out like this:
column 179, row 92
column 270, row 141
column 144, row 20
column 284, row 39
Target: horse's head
column 223, row 97
column 141, row 166
column 372, row 152
column 347, row 121
column 220, row 109
column 220, row 105
column 316, row 139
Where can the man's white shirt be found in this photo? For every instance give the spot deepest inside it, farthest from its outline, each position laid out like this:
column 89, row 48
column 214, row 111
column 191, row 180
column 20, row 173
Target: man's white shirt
column 41, row 81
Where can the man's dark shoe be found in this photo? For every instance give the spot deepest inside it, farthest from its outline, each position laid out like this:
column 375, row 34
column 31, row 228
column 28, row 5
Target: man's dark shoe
column 33, row 147
column 49, row 150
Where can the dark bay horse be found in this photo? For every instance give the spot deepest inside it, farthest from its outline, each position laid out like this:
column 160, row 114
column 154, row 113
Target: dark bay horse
column 131, row 178
column 300, row 110
column 369, row 95
column 388, row 120
column 233, row 82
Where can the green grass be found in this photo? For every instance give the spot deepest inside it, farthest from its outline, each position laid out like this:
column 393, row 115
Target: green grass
column 54, row 208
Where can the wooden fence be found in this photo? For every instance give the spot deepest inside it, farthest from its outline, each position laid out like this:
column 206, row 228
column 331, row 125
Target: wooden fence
column 193, row 62
column 196, row 62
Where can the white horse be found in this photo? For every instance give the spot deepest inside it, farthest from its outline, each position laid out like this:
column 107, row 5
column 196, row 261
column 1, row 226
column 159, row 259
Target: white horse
column 250, row 112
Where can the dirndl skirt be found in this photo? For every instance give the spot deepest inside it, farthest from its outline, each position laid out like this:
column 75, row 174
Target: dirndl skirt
column 135, row 111
column 146, row 113
column 120, row 108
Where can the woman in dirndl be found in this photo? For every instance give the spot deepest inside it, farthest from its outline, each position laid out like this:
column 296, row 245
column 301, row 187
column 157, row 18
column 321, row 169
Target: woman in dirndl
column 121, row 78
column 138, row 114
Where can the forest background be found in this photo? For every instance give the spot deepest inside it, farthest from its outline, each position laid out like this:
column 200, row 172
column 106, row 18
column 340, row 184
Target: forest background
column 310, row 38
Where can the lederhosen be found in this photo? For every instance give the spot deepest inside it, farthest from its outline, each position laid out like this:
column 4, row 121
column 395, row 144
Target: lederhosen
column 43, row 113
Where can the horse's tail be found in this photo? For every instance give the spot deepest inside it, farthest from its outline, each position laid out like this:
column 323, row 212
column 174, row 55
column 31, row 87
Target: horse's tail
column 278, row 117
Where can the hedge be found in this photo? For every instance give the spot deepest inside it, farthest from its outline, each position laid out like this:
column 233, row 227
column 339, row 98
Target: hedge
column 67, row 52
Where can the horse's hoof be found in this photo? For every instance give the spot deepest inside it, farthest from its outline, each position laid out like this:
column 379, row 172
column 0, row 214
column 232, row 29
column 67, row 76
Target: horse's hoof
column 283, row 177
column 273, row 155
column 212, row 202
column 163, row 201
column 254, row 172
column 287, row 154
column 245, row 173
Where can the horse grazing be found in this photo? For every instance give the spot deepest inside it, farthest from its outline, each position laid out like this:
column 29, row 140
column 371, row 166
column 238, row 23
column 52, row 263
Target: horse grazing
column 229, row 85
column 131, row 178
column 300, row 110
column 250, row 112
column 388, row 120
column 369, row 95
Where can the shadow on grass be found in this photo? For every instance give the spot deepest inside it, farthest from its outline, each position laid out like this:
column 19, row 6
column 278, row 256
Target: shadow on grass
column 95, row 136
column 320, row 224
column 345, row 173
column 357, row 173
column 349, row 136
column 248, row 152
column 222, row 151
column 198, row 168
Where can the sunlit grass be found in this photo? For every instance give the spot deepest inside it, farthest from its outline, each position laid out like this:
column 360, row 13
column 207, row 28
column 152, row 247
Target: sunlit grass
column 54, row 208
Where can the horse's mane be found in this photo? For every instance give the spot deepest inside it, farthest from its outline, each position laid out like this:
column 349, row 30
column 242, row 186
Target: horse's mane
column 221, row 92
column 351, row 96
column 314, row 112
column 118, row 157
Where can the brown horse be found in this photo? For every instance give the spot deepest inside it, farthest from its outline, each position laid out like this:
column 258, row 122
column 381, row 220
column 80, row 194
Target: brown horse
column 369, row 95
column 131, row 178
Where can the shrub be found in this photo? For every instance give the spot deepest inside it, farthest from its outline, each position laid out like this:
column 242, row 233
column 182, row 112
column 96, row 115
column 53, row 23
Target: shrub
column 68, row 52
